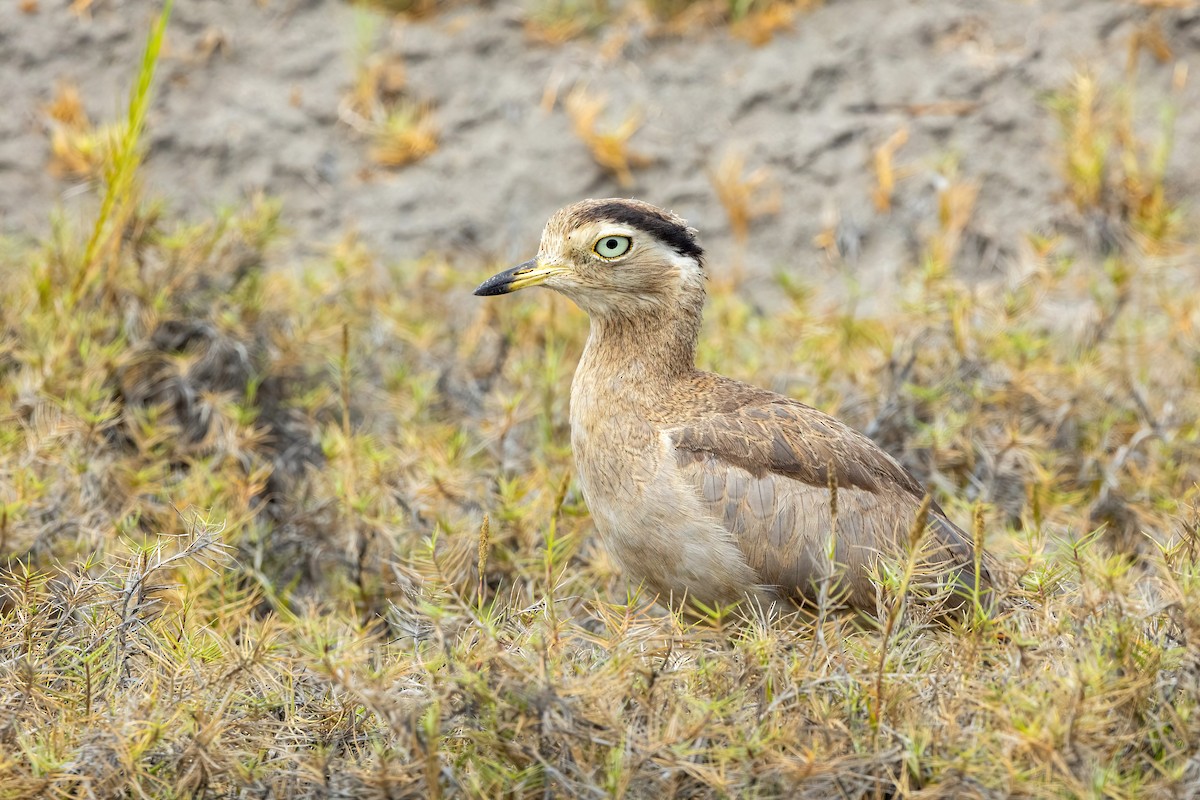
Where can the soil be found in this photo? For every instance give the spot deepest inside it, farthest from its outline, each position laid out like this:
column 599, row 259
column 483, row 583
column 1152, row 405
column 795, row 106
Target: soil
column 249, row 93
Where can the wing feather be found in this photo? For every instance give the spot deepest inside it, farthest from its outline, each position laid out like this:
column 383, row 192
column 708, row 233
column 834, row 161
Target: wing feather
column 764, row 469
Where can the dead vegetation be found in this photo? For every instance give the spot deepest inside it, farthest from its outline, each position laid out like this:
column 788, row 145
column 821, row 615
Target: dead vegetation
column 381, row 107
column 310, row 530
column 1115, row 177
column 755, row 21
column 745, row 196
column 557, row 21
column 609, row 145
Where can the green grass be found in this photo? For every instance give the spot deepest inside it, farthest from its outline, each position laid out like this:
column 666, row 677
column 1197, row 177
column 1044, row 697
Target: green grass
column 310, row 530
column 125, row 160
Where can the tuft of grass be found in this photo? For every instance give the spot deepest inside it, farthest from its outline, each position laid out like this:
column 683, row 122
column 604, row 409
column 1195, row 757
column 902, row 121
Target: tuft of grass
column 380, row 106
column 408, row 133
column 77, row 148
column 759, row 21
column 557, row 21
column 755, row 21
column 409, row 8
column 885, row 170
column 956, row 199
column 380, row 80
column 117, row 158
column 609, row 147
column 742, row 194
column 1112, row 174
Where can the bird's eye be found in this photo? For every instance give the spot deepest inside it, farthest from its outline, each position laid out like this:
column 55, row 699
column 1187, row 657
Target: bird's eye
column 612, row 246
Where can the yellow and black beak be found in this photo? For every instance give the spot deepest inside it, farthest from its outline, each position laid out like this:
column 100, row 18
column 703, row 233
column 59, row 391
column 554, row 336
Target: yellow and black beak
column 522, row 275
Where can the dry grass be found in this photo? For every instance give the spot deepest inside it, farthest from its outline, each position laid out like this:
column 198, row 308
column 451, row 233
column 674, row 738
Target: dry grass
column 381, row 107
column 744, row 196
column 408, row 133
column 755, row 21
column 559, row 21
column 409, row 8
column 77, row 148
column 312, row 619
column 955, row 205
column 380, row 81
column 1115, row 178
column 758, row 21
column 885, row 169
column 609, row 146
column 311, row 531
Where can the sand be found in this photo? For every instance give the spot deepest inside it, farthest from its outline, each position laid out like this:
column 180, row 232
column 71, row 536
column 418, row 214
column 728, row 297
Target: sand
column 249, row 93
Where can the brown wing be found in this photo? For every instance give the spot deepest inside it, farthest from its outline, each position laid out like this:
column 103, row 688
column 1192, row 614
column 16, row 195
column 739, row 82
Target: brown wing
column 764, row 469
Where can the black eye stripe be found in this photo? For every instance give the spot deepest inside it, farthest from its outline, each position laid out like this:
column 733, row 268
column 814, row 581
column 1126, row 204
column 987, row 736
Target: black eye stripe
column 663, row 226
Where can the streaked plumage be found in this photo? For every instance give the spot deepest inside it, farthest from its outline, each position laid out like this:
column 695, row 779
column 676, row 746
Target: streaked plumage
column 701, row 486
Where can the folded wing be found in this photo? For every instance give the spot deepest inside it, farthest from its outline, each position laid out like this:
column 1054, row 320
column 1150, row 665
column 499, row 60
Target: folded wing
column 765, row 469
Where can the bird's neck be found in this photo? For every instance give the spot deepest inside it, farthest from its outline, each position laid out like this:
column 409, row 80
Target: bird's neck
column 640, row 355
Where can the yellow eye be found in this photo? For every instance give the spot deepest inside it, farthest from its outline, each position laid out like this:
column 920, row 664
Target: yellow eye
column 611, row 246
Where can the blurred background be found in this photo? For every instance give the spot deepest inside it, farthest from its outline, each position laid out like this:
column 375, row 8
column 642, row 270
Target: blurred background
column 819, row 138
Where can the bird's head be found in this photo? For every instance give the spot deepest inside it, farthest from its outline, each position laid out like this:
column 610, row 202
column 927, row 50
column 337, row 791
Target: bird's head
column 613, row 257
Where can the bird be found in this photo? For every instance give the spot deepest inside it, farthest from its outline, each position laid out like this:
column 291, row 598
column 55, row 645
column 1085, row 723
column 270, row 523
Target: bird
column 709, row 491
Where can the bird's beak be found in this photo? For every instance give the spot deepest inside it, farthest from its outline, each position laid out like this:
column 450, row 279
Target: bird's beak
column 522, row 275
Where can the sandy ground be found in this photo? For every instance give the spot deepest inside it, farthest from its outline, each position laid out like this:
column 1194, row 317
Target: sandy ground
column 967, row 78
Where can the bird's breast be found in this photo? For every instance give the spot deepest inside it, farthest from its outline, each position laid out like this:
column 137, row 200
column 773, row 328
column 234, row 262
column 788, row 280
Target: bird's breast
column 650, row 521
column 615, row 456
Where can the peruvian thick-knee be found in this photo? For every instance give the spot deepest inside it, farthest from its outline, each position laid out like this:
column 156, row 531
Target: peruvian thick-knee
column 701, row 486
